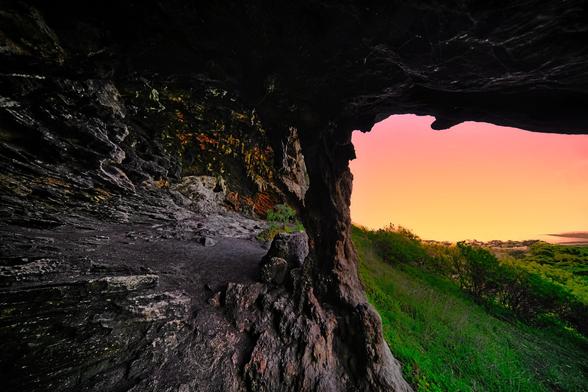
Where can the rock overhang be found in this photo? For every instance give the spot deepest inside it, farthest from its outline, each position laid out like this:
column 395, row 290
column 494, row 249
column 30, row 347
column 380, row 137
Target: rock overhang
column 323, row 68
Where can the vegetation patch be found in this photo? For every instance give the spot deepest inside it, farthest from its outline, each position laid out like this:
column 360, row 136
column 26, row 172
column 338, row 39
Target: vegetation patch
column 281, row 219
column 447, row 337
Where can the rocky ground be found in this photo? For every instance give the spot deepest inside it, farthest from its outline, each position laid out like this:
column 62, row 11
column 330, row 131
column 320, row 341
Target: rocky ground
column 193, row 250
column 104, row 293
column 165, row 290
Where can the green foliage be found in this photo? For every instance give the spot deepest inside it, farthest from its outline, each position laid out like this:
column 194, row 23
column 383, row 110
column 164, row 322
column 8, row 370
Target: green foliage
column 282, row 219
column 573, row 259
column 396, row 244
column 527, row 289
column 281, row 213
column 544, row 285
column 448, row 342
column 535, row 292
column 477, row 270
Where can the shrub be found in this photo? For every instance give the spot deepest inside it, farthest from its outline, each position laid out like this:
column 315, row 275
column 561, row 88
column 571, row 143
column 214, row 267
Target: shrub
column 282, row 219
column 478, row 270
column 546, row 284
column 281, row 213
column 529, row 294
column 397, row 244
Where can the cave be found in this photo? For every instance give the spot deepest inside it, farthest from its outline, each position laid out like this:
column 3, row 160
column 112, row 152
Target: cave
column 107, row 110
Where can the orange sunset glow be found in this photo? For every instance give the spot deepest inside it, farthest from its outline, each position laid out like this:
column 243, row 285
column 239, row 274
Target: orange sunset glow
column 473, row 181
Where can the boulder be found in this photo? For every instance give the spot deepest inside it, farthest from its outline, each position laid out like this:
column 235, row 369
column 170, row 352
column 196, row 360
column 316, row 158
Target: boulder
column 292, row 247
column 206, row 241
column 287, row 252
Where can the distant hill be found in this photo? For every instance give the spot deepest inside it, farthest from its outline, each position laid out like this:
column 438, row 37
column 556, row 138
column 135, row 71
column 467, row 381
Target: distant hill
column 573, row 234
column 570, row 238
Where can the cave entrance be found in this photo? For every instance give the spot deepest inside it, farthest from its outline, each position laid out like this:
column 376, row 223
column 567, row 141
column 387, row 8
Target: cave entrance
column 473, row 181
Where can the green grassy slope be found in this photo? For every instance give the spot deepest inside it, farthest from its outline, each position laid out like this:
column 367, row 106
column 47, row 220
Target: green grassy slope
column 447, row 342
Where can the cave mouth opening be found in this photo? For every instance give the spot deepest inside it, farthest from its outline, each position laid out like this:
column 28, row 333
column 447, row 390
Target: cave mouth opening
column 473, row 181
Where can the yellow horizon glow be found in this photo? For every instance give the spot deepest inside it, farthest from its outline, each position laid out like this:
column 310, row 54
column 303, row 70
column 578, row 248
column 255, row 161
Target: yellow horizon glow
column 473, row 181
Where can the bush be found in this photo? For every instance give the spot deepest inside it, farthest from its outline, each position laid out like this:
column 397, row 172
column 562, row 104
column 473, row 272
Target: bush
column 544, row 285
column 398, row 245
column 478, row 270
column 442, row 258
column 281, row 213
column 282, row 219
column 529, row 294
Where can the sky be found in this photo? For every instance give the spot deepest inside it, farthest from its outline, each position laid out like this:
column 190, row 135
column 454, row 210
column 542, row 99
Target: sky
column 472, row 181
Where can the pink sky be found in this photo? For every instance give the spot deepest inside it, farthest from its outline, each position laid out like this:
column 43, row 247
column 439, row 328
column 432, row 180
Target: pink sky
column 475, row 180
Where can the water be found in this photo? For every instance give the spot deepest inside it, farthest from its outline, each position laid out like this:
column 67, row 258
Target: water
column 556, row 239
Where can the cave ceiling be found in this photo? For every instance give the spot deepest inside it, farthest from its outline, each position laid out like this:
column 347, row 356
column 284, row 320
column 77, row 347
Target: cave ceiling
column 511, row 63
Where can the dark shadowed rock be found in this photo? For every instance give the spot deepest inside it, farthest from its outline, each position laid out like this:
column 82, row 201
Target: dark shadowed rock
column 215, row 300
column 207, row 241
column 274, row 270
column 291, row 247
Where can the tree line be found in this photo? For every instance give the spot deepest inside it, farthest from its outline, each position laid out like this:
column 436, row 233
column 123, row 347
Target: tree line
column 524, row 287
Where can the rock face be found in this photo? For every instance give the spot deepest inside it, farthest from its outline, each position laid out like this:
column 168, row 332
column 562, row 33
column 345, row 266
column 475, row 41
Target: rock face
column 274, row 270
column 204, row 194
column 293, row 170
column 287, row 253
column 291, row 247
column 109, row 112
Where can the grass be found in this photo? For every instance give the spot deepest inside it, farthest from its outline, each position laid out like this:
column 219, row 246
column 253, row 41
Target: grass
column 448, row 342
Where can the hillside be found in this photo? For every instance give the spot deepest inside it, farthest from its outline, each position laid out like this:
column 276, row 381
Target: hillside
column 449, row 341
